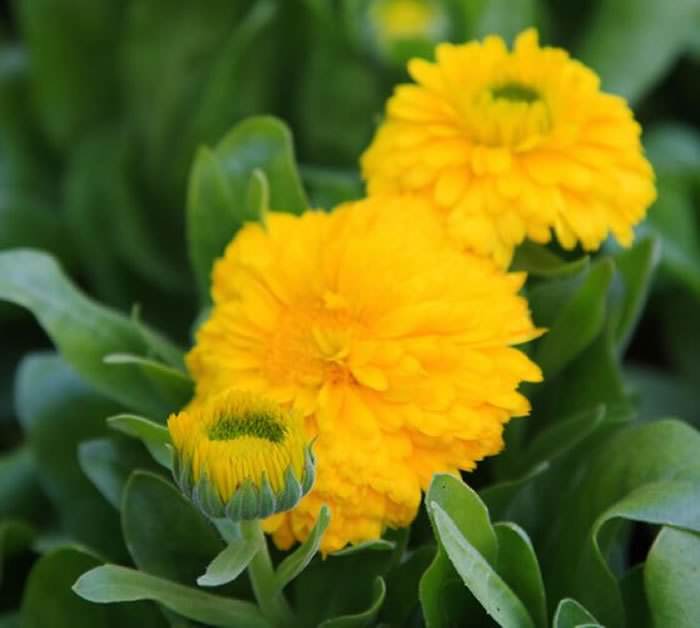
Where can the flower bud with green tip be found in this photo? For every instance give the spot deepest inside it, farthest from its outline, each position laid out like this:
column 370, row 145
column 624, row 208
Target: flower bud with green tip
column 240, row 456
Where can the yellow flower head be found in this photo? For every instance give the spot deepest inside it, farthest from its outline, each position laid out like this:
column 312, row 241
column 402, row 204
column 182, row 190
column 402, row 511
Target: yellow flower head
column 240, row 455
column 508, row 145
column 403, row 19
column 395, row 347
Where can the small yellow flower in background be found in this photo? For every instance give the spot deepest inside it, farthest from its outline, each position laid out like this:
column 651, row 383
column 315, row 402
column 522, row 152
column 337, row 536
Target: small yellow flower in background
column 240, row 455
column 395, row 347
column 403, row 19
column 510, row 145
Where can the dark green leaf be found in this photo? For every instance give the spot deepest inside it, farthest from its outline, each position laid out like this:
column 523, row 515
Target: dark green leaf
column 297, row 561
column 328, row 188
column 671, row 577
column 506, row 18
column 635, row 598
column 673, row 148
column 84, row 331
column 538, row 261
column 20, row 493
column 166, row 535
column 110, row 583
column 652, row 33
column 49, row 601
column 15, row 536
column 402, row 585
column 365, row 618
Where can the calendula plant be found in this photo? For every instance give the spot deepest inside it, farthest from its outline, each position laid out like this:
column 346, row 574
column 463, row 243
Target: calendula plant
column 415, row 404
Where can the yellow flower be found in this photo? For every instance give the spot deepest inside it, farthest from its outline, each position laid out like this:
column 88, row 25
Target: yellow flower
column 403, row 19
column 240, row 455
column 395, row 347
column 509, row 145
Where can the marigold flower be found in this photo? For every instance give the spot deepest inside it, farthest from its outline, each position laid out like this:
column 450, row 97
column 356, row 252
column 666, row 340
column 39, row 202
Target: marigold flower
column 395, row 347
column 509, row 145
column 240, row 455
column 405, row 19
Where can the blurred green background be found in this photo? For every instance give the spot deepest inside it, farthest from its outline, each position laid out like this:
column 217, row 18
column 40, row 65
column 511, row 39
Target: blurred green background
column 104, row 103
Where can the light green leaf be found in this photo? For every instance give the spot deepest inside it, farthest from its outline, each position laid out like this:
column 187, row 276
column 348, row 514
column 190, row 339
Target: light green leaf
column 671, row 578
column 110, row 583
column 365, row 618
column 652, row 33
column 48, row 601
column 230, row 562
column 297, row 561
column 487, row 586
column 166, row 535
column 518, row 566
column 83, row 331
column 218, row 200
column 570, row 614
column 155, row 437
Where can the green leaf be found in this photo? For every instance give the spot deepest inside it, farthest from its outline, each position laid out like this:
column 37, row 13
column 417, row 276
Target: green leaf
column 670, row 576
column 652, row 33
column 498, row 498
column 72, row 51
column 329, row 187
column 441, row 591
column 630, row 288
column 298, row 560
column 83, row 331
column 506, row 18
column 538, row 261
column 372, row 546
column 570, row 614
column 230, row 562
column 217, row 199
column 584, row 312
column 58, row 411
column 49, row 602
column 20, row 492
column 15, row 536
column 673, row 148
column 518, row 566
column 402, row 586
column 487, row 586
column 166, row 535
column 637, row 611
column 109, row 462
column 110, row 583
column 155, row 437
column 365, row 618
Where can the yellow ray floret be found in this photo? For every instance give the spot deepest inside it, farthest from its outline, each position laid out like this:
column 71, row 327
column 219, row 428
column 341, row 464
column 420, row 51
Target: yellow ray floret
column 395, row 347
column 239, row 454
column 509, row 145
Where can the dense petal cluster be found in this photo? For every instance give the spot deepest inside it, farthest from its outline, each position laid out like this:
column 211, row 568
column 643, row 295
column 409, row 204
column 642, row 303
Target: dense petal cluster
column 239, row 454
column 513, row 144
column 394, row 346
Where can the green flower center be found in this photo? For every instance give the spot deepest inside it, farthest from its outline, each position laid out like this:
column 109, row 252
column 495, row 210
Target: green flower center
column 515, row 92
column 257, row 426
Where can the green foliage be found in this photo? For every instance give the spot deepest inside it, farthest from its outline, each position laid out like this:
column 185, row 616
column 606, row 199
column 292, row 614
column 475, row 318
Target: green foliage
column 124, row 151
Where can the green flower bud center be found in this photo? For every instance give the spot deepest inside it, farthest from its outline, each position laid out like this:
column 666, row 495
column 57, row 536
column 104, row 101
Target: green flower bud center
column 261, row 426
column 516, row 92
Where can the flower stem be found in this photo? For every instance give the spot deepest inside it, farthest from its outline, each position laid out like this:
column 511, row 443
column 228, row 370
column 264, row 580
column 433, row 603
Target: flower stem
column 262, row 576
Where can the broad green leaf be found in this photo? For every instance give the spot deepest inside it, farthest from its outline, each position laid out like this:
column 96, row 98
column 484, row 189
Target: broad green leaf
column 648, row 472
column 49, row 601
column 58, row 411
column 155, row 437
column 230, row 562
column 630, row 288
column 570, row 614
column 652, row 33
column 15, row 536
column 499, row 497
column 578, row 322
column 441, row 591
column 506, row 18
column 671, row 577
column 219, row 183
column 538, row 261
column 517, row 565
column 365, row 618
column 166, row 535
column 485, row 584
column 657, row 392
column 83, row 331
column 110, row 583
column 72, row 52
column 637, row 611
column 673, row 148
column 298, row 560
column 329, row 187
column 109, row 462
